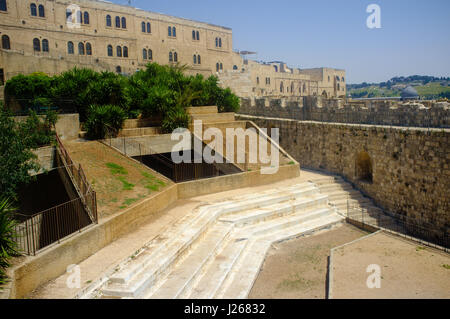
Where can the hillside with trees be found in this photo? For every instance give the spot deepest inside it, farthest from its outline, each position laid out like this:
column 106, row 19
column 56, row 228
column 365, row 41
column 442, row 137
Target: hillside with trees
column 428, row 87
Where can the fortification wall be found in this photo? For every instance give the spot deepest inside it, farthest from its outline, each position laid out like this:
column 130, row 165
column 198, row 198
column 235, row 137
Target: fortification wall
column 317, row 108
column 410, row 166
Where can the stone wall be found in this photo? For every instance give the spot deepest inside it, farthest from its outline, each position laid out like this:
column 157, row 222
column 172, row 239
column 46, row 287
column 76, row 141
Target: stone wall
column 315, row 108
column 410, row 166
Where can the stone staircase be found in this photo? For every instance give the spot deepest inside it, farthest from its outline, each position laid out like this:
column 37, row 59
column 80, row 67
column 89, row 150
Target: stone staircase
column 342, row 195
column 216, row 250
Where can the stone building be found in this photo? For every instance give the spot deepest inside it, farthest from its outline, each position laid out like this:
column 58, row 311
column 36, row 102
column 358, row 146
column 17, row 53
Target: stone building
column 52, row 36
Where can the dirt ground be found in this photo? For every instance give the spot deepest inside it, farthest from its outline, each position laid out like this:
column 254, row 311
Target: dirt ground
column 118, row 181
column 297, row 269
column 406, row 269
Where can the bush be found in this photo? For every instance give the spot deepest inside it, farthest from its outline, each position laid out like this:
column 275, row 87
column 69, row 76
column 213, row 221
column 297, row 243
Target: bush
column 36, row 132
column 8, row 246
column 25, row 90
column 174, row 119
column 69, row 90
column 103, row 120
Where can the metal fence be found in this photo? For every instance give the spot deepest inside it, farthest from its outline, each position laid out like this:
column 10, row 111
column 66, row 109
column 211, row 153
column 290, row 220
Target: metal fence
column 42, row 229
column 407, row 227
column 79, row 180
column 52, row 225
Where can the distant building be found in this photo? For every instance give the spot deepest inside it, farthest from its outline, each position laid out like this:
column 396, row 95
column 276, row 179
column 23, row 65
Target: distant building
column 409, row 93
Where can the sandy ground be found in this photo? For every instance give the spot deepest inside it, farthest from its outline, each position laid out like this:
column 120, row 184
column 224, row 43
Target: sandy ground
column 297, row 269
column 118, row 181
column 407, row 269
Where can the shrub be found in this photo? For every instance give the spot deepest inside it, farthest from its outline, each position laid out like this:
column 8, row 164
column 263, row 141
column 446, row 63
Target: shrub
column 103, row 120
column 37, row 132
column 8, row 246
column 24, row 90
column 70, row 87
column 175, row 118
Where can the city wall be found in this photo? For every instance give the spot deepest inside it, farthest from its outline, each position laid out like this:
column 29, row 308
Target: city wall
column 317, row 108
column 409, row 167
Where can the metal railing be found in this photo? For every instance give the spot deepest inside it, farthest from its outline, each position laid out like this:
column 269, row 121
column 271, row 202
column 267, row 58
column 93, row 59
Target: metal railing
column 428, row 234
column 79, row 180
column 42, row 229
column 52, row 225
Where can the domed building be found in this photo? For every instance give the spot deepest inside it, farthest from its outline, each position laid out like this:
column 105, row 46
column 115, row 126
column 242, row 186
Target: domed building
column 409, row 93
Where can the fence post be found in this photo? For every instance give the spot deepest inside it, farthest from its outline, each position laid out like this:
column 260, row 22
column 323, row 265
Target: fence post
column 57, row 223
column 32, row 236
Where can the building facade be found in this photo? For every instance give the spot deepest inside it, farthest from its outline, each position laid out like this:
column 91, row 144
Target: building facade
column 53, row 36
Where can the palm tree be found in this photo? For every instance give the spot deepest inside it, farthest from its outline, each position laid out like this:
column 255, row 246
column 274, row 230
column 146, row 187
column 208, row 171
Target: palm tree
column 8, row 245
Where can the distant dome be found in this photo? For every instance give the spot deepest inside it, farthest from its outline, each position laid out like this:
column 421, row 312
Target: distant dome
column 409, row 93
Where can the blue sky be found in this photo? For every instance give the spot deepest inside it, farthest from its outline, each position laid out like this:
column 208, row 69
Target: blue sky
column 414, row 37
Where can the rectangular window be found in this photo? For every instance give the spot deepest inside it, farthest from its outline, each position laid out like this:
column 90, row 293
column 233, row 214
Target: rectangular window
column 2, row 77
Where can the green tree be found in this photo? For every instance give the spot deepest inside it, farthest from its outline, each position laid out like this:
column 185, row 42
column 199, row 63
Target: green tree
column 17, row 158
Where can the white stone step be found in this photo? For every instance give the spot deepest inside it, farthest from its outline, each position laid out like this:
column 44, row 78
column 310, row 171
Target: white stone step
column 341, row 194
column 329, row 188
column 244, row 275
column 285, row 222
column 275, row 210
column 166, row 249
column 217, row 273
column 327, row 180
column 185, row 272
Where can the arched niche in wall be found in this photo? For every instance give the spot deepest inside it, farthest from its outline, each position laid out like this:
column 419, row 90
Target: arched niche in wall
column 363, row 167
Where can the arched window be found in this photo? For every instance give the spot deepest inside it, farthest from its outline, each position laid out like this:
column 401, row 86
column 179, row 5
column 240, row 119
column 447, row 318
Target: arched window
column 119, row 51
column 79, row 17
column 343, row 80
column 281, row 87
column 257, row 80
column 217, row 42
column 117, row 22
column 193, row 35
column 70, row 49
column 143, row 26
column 221, row 66
column 169, row 31
column 45, row 47
column 119, row 69
column 170, row 57
column 217, row 67
column 199, row 61
column 175, row 57
column 6, row 45
column 292, row 87
column 36, row 45
column 304, row 88
column 149, row 27
column 150, row 54
column 108, row 21
column 41, row 11
column 220, row 42
column 3, row 6
column 144, row 54
column 86, row 17
column 33, row 10
column 88, row 49
column 125, row 52
column 235, row 67
column 174, row 31
column 124, row 23
column 81, row 48
column 110, row 50
column 195, row 59
column 338, row 87
column 198, row 35
column 276, row 68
